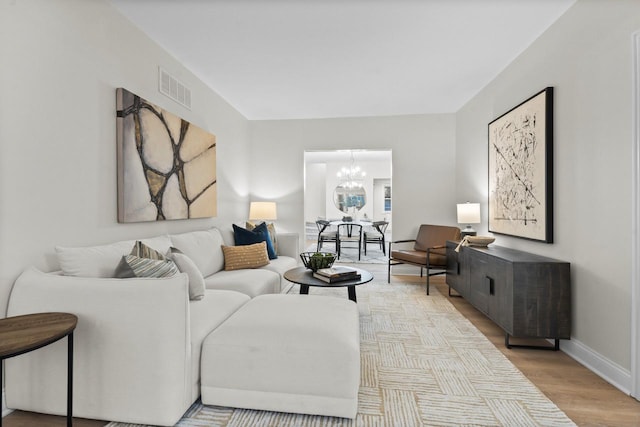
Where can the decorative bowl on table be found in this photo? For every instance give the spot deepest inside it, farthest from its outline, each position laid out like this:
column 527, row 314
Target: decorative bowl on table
column 482, row 241
column 317, row 260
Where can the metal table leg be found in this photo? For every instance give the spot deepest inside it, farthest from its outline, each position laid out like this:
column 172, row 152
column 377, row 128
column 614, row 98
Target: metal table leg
column 352, row 293
column 70, row 380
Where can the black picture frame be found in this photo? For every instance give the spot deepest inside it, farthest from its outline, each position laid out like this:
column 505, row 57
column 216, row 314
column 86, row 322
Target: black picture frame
column 520, row 170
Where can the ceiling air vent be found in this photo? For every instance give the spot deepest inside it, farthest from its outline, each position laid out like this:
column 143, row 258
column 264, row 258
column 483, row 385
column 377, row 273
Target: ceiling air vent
column 174, row 89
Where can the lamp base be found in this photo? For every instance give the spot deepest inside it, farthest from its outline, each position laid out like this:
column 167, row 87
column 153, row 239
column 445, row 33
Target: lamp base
column 468, row 231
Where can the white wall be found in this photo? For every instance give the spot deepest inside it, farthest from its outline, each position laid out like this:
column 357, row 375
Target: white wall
column 422, row 166
column 315, row 191
column 62, row 61
column 586, row 56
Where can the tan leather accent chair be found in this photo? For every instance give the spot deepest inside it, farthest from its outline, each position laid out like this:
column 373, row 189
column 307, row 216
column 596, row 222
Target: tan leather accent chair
column 428, row 252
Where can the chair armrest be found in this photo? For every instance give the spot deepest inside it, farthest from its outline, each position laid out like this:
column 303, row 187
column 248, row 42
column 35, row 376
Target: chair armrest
column 289, row 244
column 436, row 247
column 402, row 241
column 132, row 341
column 398, row 241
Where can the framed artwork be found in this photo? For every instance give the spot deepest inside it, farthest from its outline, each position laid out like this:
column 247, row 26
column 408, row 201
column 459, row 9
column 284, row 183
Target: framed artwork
column 521, row 170
column 166, row 165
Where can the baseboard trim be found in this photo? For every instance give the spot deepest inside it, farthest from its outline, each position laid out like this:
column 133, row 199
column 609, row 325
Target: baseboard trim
column 608, row 370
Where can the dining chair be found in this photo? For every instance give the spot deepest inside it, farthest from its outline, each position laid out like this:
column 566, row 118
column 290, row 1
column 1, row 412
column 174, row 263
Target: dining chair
column 349, row 233
column 376, row 235
column 325, row 234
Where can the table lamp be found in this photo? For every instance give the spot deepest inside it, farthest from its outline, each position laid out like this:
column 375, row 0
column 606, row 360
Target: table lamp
column 262, row 211
column 468, row 213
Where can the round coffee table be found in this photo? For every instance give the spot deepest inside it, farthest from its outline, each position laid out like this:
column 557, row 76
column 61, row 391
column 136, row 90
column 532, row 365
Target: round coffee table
column 304, row 277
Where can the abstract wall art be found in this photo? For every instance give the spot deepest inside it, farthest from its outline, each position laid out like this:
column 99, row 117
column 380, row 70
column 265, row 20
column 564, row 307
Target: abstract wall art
column 521, row 170
column 166, row 165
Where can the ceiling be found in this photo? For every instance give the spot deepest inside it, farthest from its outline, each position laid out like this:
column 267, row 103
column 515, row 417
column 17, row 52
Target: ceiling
column 292, row 59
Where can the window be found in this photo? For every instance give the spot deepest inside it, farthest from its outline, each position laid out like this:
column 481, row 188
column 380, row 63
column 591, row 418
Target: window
column 387, row 198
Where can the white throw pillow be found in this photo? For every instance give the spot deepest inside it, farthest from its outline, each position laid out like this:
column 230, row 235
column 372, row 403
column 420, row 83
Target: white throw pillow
column 99, row 261
column 203, row 247
column 186, row 265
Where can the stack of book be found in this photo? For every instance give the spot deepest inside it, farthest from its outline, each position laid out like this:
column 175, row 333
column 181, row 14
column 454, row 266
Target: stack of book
column 336, row 274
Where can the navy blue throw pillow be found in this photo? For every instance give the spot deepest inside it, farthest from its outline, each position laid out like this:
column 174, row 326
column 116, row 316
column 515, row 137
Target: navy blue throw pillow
column 259, row 234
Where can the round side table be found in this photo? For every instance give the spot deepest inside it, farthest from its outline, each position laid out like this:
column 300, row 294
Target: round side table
column 22, row 334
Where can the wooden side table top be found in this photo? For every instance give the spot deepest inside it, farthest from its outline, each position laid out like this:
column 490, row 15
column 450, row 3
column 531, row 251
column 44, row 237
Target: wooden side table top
column 21, row 334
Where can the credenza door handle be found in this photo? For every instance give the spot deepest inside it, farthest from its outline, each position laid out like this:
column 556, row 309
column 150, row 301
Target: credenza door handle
column 490, row 285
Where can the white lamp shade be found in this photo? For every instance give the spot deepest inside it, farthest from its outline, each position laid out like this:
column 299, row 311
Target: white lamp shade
column 262, row 210
column 469, row 213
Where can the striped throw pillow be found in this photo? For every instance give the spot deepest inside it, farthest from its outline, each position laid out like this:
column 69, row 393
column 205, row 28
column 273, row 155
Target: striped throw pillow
column 135, row 266
column 245, row 256
column 144, row 261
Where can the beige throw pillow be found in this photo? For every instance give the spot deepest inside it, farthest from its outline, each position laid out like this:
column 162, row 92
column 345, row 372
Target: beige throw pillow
column 245, row 256
column 143, row 251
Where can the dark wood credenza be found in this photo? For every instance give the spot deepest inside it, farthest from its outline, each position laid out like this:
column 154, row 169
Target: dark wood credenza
column 527, row 295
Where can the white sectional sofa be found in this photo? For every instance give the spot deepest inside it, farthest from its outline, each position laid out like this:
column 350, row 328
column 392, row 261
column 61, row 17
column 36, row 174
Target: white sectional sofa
column 138, row 341
column 203, row 247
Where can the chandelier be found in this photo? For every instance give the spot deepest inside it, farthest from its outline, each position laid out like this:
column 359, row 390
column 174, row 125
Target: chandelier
column 351, row 176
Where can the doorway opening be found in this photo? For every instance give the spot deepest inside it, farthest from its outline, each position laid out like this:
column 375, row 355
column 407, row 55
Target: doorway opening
column 348, row 185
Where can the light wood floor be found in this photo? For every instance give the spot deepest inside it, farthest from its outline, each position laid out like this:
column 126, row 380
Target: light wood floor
column 586, row 398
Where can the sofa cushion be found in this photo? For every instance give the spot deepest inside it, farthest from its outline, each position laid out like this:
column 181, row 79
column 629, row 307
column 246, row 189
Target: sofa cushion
column 247, row 256
column 252, row 282
column 186, row 265
column 259, row 234
column 203, row 247
column 208, row 313
column 205, row 316
column 281, row 265
column 99, row 261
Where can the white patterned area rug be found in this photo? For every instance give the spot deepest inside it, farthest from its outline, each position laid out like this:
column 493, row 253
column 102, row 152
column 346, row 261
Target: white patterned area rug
column 423, row 364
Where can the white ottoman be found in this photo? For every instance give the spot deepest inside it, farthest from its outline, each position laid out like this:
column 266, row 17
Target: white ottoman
column 285, row 353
